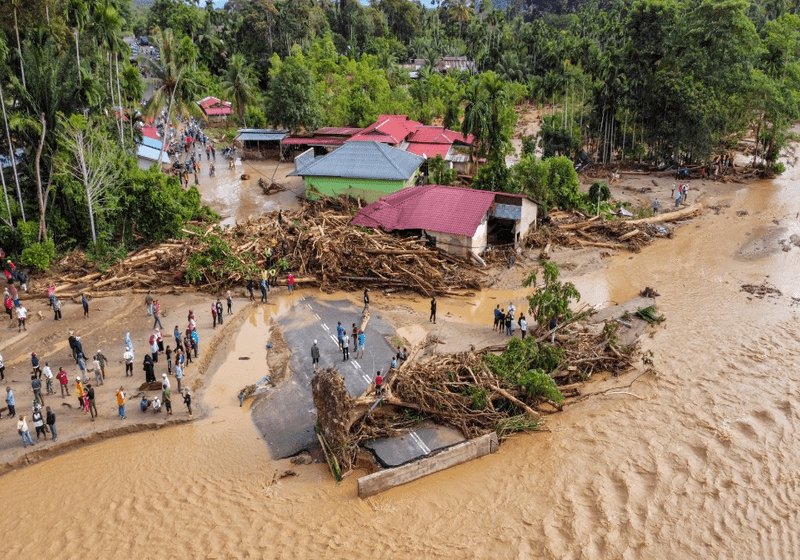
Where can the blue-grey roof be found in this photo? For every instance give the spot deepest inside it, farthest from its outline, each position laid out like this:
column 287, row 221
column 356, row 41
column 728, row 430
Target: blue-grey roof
column 146, row 152
column 364, row 160
column 262, row 134
column 151, row 142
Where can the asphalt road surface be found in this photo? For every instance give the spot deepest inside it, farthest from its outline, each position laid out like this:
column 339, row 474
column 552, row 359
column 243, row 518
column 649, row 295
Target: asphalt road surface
column 287, row 417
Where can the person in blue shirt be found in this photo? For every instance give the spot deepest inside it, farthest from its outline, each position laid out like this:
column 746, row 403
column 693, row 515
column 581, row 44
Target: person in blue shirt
column 360, row 347
column 85, row 303
column 340, row 334
column 195, row 342
column 12, row 412
column 497, row 314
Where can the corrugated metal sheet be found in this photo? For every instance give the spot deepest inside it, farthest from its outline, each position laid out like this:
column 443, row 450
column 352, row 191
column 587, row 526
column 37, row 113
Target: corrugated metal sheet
column 434, row 208
column 151, row 154
column 152, row 142
column 336, row 131
column 364, row 160
column 429, row 150
column 439, row 135
column 261, row 135
column 508, row 211
column 304, row 159
column 298, row 141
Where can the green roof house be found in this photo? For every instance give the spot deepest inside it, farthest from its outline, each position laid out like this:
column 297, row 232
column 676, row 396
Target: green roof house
column 368, row 170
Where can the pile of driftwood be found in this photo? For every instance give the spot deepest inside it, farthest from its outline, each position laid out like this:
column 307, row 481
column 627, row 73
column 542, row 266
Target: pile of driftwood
column 575, row 229
column 460, row 390
column 317, row 244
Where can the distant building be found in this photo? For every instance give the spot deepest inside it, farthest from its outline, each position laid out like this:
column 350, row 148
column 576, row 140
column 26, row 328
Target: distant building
column 393, row 130
column 323, row 140
column 362, row 169
column 214, row 109
column 459, row 220
column 453, row 146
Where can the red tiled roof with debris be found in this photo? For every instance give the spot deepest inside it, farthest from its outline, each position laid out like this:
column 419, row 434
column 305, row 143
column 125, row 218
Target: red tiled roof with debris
column 429, row 151
column 439, row 135
column 436, row 208
column 312, row 141
column 213, row 106
column 336, row 131
column 392, row 129
column 151, row 132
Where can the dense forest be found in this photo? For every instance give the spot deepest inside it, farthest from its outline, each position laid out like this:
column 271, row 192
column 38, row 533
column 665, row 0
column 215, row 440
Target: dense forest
column 661, row 81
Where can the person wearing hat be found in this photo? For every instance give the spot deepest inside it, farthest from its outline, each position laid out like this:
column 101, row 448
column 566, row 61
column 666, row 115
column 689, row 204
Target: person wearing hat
column 79, row 391
column 165, row 382
column 315, row 355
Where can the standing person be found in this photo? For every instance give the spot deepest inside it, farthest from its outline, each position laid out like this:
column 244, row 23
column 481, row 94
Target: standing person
column 553, row 325
column 214, row 315
column 102, row 359
column 685, row 191
column 85, row 303
column 339, row 333
column 10, row 402
column 36, row 386
column 523, row 326
column 9, row 305
column 250, row 287
column 98, row 373
column 264, row 289
column 23, row 280
column 178, row 374
column 219, row 311
column 90, row 395
column 229, row 300
column 678, row 198
column 168, row 354
column 177, row 334
column 22, row 429
column 509, row 322
column 366, row 300
column 147, row 366
column 433, row 310
column 2, row 369
column 38, row 423
column 22, row 315
column 78, row 348
column 37, row 368
column 79, row 392
column 154, row 348
column 82, row 365
column 51, row 294
column 361, row 340
column 354, row 337
column 127, row 357
column 187, row 400
column 148, row 303
column 345, row 347
column 63, row 382
column 378, row 383
column 51, row 423
column 56, row 309
column 290, row 282
column 497, row 314
column 166, row 396
column 48, row 378
column 315, row 356
column 159, row 340
column 157, row 315
column 656, row 206
column 187, row 344
column 128, row 343
column 195, row 342
column 121, row 402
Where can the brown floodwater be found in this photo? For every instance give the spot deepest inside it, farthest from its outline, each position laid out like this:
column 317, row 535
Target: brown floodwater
column 700, row 460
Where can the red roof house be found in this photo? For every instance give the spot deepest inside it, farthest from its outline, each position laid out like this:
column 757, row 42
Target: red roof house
column 215, row 109
column 459, row 220
column 388, row 129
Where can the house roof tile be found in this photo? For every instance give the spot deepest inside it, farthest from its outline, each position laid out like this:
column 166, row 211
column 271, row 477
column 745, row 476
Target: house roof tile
column 428, row 150
column 437, row 208
column 364, row 160
column 392, row 129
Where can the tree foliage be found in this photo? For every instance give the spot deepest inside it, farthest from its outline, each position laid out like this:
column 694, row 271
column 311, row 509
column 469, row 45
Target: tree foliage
column 552, row 299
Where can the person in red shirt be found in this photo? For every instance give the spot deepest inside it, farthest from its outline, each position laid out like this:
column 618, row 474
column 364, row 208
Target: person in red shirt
column 378, row 383
column 290, row 282
column 62, row 379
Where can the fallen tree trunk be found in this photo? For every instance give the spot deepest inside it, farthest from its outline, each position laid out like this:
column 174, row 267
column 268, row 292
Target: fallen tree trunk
column 670, row 216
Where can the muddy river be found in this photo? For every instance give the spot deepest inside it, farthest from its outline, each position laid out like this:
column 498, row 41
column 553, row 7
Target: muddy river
column 700, row 460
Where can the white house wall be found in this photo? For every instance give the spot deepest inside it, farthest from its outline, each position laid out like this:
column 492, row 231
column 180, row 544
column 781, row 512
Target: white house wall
column 528, row 218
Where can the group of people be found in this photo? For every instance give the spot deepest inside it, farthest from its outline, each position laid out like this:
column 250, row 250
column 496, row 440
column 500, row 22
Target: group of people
column 504, row 321
column 679, row 193
column 216, row 309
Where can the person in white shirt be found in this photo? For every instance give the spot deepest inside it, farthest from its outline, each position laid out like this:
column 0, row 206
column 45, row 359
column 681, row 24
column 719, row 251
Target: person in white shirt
column 2, row 369
column 128, row 357
column 98, row 371
column 48, row 376
column 22, row 314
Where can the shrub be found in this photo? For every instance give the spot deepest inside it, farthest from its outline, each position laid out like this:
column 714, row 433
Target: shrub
column 39, row 255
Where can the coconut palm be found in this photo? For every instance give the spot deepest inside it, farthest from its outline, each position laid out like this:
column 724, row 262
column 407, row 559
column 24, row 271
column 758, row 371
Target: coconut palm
column 238, row 84
column 174, row 85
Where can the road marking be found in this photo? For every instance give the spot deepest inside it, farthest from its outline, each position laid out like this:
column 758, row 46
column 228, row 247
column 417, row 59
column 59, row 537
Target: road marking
column 309, row 306
column 333, row 338
column 355, row 364
column 418, row 440
column 324, row 326
column 317, row 316
column 366, row 378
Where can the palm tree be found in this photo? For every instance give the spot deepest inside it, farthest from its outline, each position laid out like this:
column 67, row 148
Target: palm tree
column 461, row 13
column 238, row 84
column 105, row 28
column 174, row 87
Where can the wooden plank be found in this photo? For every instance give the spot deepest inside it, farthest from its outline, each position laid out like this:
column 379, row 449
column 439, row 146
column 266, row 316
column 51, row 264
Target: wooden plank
column 461, row 453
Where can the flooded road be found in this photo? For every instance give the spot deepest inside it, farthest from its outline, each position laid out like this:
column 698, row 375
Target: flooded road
column 700, row 460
